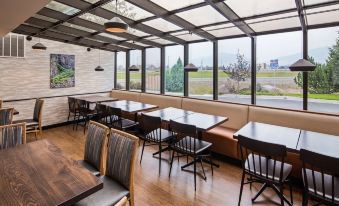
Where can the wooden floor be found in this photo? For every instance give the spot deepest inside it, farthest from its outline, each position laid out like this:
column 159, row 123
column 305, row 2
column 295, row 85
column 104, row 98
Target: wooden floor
column 153, row 189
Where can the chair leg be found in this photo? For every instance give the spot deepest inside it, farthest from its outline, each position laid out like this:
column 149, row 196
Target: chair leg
column 195, row 174
column 291, row 191
column 160, row 157
column 69, row 115
column 211, row 162
column 282, row 195
column 169, row 175
column 241, row 187
column 203, row 170
column 142, row 151
column 305, row 198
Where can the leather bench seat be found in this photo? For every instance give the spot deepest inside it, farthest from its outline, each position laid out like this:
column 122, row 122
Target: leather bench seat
column 223, row 141
column 161, row 101
column 125, row 95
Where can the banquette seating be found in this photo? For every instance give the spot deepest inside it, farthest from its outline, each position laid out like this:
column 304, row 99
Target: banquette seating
column 239, row 115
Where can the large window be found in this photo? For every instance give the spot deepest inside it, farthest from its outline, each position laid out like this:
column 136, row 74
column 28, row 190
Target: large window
column 201, row 82
column 324, row 81
column 121, row 70
column 153, row 70
column 12, row 45
column 276, row 85
column 135, row 70
column 234, row 69
column 174, row 70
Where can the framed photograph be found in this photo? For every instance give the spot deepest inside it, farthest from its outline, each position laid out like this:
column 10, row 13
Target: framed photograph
column 62, row 71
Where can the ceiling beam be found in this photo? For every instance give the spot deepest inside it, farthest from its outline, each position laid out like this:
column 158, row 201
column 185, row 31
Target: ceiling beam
column 301, row 14
column 81, row 12
column 229, row 14
column 174, row 19
column 104, row 13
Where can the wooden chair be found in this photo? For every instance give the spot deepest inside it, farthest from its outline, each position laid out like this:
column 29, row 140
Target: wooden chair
column 320, row 177
column 264, row 163
column 186, row 142
column 95, row 148
column 72, row 109
column 12, row 135
column 34, row 125
column 1, row 102
column 122, row 202
column 102, row 114
column 119, row 176
column 85, row 113
column 116, row 120
column 6, row 116
column 152, row 133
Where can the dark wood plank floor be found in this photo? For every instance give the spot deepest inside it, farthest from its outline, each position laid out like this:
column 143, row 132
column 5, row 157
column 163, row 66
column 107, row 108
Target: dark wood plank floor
column 153, row 189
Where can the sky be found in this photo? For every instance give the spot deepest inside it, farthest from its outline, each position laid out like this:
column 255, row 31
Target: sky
column 268, row 47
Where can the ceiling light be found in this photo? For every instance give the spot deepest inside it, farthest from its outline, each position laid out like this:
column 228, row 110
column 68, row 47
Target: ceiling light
column 190, row 68
column 133, row 68
column 116, row 25
column 302, row 65
column 99, row 68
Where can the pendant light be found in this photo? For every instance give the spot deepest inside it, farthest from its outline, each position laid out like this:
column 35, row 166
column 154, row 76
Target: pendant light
column 133, row 68
column 190, row 68
column 99, row 68
column 39, row 46
column 116, row 25
column 302, row 65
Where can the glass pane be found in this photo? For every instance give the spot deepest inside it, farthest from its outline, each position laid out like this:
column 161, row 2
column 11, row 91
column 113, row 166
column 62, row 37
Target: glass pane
column 121, row 70
column 138, row 43
column 1, row 46
column 247, row 8
column 174, row 70
column 176, row 4
column 93, row 18
column 137, row 32
column 310, row 2
column 62, row 8
column 223, row 30
column 282, row 21
column 162, row 25
column 135, row 76
column 159, row 40
column 21, row 46
column 324, row 81
column 78, row 27
column 185, row 35
column 276, row 84
column 7, row 45
column 153, row 70
column 45, row 18
column 14, row 45
column 112, row 36
column 234, row 80
column 201, row 82
column 127, row 10
column 202, row 16
column 327, row 14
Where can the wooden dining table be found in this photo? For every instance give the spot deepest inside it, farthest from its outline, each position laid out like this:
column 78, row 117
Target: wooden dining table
column 39, row 173
column 294, row 139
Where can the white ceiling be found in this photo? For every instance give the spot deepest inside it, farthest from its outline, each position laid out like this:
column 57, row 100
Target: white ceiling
column 15, row 12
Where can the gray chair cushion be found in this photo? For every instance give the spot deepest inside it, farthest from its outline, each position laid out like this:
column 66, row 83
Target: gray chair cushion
column 112, row 193
column 89, row 167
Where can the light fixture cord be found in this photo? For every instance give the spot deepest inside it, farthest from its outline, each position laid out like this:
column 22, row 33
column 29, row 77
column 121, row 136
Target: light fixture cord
column 99, row 58
column 116, row 6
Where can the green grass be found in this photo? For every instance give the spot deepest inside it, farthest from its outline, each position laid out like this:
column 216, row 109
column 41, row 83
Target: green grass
column 334, row 96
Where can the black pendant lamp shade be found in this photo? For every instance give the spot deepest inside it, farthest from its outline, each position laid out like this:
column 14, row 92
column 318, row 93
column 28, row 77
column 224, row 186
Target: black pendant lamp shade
column 39, row 46
column 116, row 25
column 99, row 69
column 190, row 68
column 302, row 65
column 133, row 68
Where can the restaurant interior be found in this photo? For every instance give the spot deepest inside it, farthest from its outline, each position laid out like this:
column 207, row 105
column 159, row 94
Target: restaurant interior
column 169, row 102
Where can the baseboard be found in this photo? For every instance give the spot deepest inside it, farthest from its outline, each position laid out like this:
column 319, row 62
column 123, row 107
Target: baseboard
column 61, row 124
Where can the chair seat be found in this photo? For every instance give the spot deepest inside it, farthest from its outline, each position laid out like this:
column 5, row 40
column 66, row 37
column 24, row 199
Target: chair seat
column 89, row 167
column 187, row 145
column 318, row 183
column 166, row 136
column 124, row 124
column 29, row 122
column 112, row 193
column 264, row 164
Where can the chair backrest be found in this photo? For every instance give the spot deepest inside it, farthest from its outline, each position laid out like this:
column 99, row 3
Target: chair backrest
column 254, row 151
column 12, row 135
column 115, row 117
column 37, row 114
column 121, row 155
column 327, row 166
column 81, row 104
column 72, row 106
column 95, row 145
column 6, row 116
column 101, row 110
column 185, row 136
column 151, row 126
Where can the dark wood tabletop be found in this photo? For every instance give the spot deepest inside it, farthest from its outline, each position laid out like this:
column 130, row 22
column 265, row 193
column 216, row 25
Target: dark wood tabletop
column 169, row 113
column 271, row 133
column 38, row 173
column 130, row 106
column 318, row 142
column 96, row 98
column 202, row 121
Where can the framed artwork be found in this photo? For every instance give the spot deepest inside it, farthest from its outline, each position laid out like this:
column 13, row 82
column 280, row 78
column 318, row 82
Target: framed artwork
column 62, row 71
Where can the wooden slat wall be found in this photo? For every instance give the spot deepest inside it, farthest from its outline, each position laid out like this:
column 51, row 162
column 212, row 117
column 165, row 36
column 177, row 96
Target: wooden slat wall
column 29, row 77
